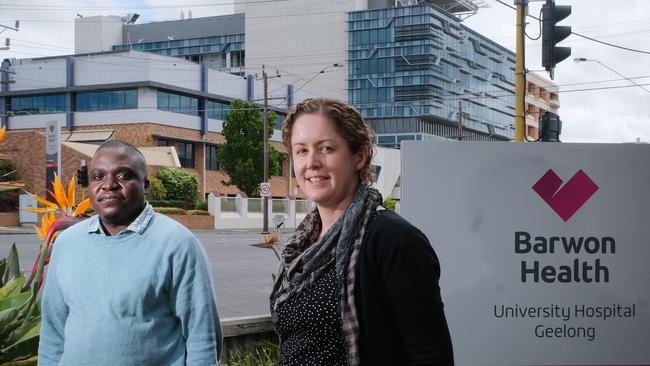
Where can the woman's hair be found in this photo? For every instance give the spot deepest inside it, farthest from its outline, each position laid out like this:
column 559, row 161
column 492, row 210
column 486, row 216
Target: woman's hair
column 348, row 122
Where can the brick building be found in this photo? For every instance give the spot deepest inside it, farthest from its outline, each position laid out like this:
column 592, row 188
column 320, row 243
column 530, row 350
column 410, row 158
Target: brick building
column 542, row 95
column 154, row 102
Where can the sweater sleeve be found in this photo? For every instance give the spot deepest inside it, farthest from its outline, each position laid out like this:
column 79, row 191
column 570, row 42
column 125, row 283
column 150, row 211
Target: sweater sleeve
column 408, row 272
column 194, row 304
column 54, row 313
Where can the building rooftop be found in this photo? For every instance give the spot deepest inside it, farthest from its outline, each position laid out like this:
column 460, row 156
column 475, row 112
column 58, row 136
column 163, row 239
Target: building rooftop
column 460, row 8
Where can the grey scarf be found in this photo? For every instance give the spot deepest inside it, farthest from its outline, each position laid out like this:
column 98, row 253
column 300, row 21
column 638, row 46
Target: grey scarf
column 304, row 261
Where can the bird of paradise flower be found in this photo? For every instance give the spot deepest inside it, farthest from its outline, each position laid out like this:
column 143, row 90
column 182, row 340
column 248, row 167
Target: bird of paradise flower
column 69, row 214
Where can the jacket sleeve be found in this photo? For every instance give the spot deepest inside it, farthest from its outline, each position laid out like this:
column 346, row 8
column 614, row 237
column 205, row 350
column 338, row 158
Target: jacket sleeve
column 54, row 314
column 409, row 271
column 194, row 304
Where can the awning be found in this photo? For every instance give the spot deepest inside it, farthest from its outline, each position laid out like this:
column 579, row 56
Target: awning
column 158, row 156
column 185, row 139
column 87, row 135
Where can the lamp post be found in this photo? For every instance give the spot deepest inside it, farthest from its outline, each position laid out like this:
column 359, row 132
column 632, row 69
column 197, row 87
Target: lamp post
column 583, row 59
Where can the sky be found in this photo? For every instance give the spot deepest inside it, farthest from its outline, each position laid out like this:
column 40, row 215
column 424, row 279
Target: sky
column 618, row 113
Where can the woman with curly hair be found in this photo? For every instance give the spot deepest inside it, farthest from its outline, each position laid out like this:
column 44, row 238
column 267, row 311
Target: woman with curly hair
column 357, row 285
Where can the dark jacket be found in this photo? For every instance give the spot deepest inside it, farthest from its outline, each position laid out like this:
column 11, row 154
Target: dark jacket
column 398, row 299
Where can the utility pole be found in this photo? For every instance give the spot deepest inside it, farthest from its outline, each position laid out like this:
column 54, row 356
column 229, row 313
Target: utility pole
column 520, row 70
column 265, row 199
column 7, row 41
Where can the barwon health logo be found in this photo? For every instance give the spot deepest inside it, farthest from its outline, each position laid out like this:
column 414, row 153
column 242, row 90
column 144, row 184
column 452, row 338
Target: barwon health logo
column 565, row 200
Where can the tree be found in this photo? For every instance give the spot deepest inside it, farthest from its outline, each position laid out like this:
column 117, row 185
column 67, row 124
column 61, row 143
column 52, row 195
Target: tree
column 157, row 191
column 390, row 202
column 179, row 184
column 242, row 156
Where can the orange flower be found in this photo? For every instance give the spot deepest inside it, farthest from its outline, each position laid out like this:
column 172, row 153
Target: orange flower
column 46, row 223
column 65, row 202
column 3, row 131
column 51, row 226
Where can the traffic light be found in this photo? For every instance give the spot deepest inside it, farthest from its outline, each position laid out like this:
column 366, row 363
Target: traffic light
column 82, row 174
column 552, row 34
column 551, row 127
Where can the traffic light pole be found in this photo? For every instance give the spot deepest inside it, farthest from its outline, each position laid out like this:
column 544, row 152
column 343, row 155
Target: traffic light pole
column 520, row 71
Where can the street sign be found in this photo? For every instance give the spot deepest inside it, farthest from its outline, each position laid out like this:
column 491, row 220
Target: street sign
column 265, row 189
column 279, row 221
column 52, row 155
column 543, row 248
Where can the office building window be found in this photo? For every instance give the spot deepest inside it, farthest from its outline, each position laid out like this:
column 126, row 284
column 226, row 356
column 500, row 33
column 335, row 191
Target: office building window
column 178, row 103
column 217, row 109
column 106, row 100
column 185, row 152
column 211, row 162
column 38, row 104
column 163, row 142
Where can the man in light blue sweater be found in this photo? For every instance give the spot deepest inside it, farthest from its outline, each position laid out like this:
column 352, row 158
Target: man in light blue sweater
column 127, row 286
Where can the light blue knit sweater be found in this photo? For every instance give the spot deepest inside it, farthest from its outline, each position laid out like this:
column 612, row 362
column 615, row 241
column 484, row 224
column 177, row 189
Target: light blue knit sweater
column 138, row 298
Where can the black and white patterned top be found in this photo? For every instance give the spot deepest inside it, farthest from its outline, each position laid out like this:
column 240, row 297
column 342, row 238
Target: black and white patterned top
column 309, row 326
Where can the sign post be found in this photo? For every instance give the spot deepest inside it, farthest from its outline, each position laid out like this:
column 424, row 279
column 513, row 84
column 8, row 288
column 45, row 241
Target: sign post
column 52, row 155
column 543, row 248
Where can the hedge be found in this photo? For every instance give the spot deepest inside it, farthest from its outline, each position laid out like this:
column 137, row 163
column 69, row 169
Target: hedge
column 170, row 210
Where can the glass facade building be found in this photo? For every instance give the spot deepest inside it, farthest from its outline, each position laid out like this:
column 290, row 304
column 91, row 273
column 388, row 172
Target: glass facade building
column 222, row 51
column 413, row 69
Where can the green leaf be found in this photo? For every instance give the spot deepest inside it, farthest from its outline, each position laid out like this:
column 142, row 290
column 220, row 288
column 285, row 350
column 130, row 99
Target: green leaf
column 3, row 267
column 15, row 301
column 13, row 266
column 6, row 316
column 24, row 334
column 12, row 287
column 28, row 362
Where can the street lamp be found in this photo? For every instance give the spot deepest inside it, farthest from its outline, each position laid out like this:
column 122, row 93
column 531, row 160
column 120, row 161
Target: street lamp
column 583, row 59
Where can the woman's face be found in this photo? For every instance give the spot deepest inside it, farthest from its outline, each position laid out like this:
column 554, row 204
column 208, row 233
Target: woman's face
column 326, row 170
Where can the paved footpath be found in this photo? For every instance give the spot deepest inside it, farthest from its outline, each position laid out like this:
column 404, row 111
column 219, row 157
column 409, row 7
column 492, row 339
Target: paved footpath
column 242, row 273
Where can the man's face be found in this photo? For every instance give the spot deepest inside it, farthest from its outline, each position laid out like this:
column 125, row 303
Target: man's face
column 117, row 186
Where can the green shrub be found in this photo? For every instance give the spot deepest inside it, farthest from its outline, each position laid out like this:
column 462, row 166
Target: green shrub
column 170, row 210
column 197, row 212
column 157, row 191
column 264, row 354
column 389, row 203
column 179, row 184
column 20, row 317
column 180, row 204
column 202, row 205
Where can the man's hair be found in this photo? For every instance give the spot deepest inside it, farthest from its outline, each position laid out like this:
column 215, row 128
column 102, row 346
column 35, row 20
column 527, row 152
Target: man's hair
column 126, row 148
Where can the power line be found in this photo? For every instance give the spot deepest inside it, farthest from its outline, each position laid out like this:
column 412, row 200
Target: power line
column 586, row 37
column 39, row 7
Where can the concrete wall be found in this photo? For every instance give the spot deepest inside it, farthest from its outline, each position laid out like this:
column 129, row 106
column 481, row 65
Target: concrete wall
column 390, row 163
column 238, row 212
column 98, row 33
column 300, row 38
column 39, row 74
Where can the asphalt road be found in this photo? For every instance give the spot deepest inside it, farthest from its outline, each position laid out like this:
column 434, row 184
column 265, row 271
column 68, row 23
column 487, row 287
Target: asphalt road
column 242, row 273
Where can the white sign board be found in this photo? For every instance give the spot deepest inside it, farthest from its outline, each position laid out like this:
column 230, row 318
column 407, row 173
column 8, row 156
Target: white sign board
column 544, row 248
column 52, row 151
column 265, row 189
